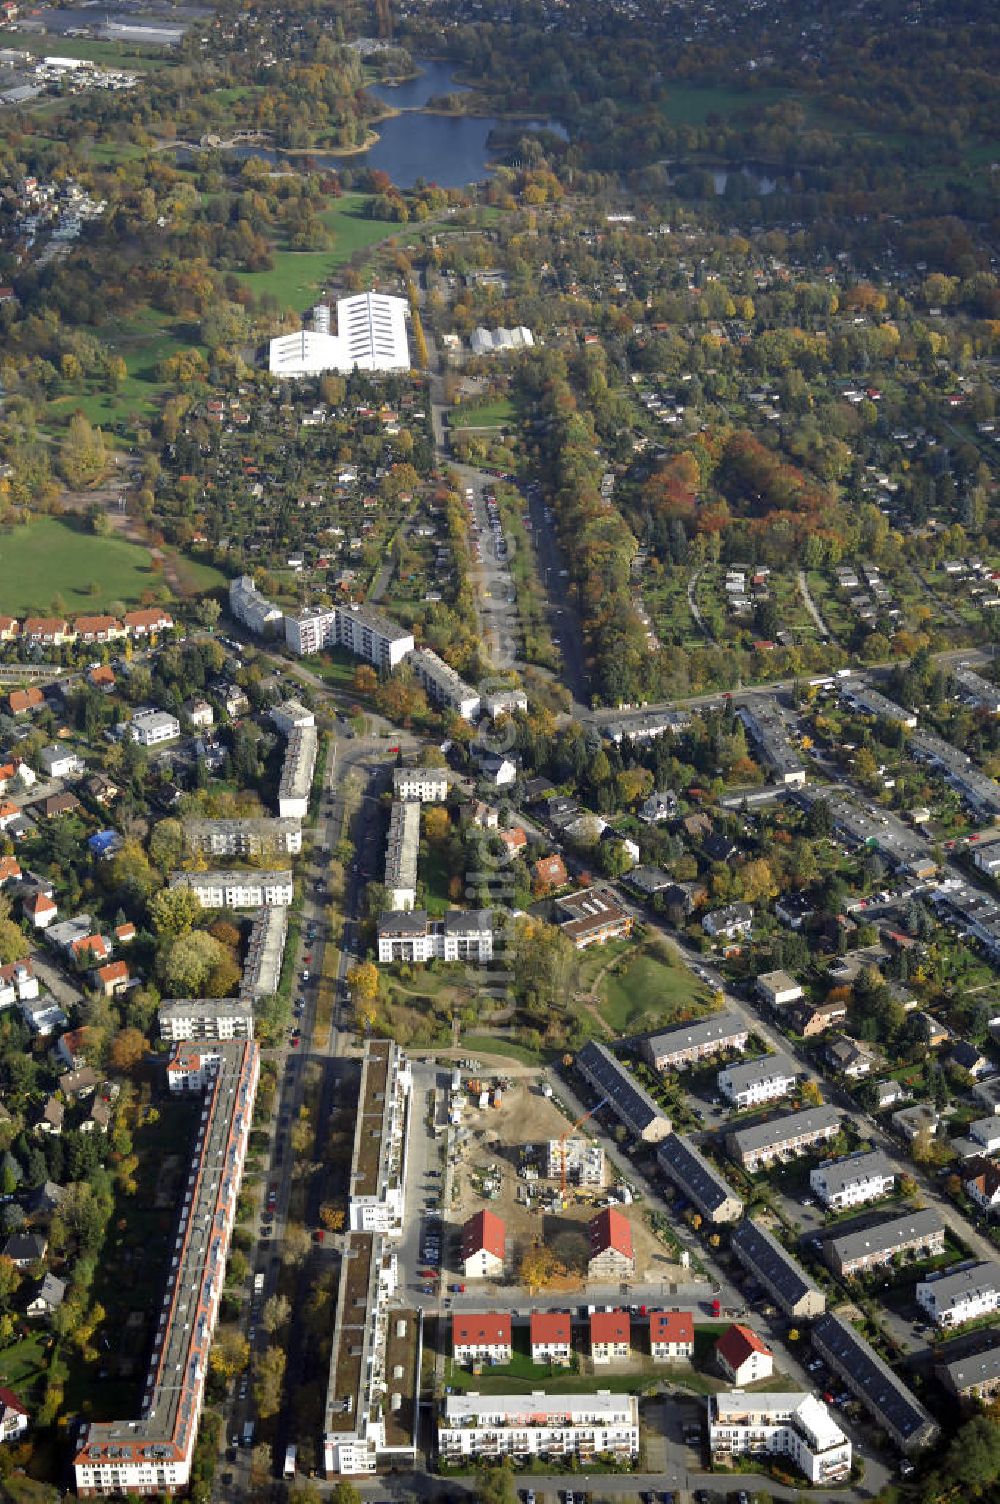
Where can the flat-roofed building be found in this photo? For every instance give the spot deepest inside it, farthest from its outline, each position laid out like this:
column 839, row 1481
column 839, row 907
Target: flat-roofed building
column 687, row 1168
column 857, row 1249
column 408, row 935
column 793, row 1425
column 580, row 1159
column 362, row 630
column 778, row 989
column 152, row 727
column 784, row 1137
column 698, row 1040
column 842, row 1183
column 152, row 1454
column 582, row 1427
column 630, row 1102
column 378, row 1173
column 892, row 1406
column 766, row 725
column 591, row 916
column 426, row 785
column 264, row 954
column 954, row 1298
column 444, row 686
column 290, row 716
column 229, row 889
column 253, row 610
column 772, row 1266
column 401, row 849
column 755, row 1081
column 297, row 768
column 371, row 336
column 244, row 837
column 206, row 1018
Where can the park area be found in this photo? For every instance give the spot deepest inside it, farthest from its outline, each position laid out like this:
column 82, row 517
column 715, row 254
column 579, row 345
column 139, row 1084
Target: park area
column 636, row 988
column 52, row 564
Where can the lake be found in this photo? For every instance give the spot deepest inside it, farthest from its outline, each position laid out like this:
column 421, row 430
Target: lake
column 450, row 150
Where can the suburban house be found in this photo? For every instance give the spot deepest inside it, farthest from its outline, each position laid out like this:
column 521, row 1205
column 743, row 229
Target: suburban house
column 951, row 1299
column 840, row 1183
column 732, row 923
column 858, row 1250
column 671, row 1335
column 968, row 1058
column 610, row 1336
column 981, row 1179
column 611, row 1254
column 974, row 1374
column 484, row 1246
column 112, row 978
column 481, row 1339
column 549, row 873
column 551, row 1337
column 753, row 1082
column 13, row 1416
column 698, row 1040
column 47, row 1298
column 815, row 1018
column 778, row 989
column 742, row 1357
column 25, row 1248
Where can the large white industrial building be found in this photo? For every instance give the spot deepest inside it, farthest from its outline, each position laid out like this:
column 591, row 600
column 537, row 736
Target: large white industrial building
column 371, row 336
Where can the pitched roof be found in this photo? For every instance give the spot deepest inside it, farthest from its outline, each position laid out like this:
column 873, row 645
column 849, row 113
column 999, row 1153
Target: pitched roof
column 10, row 1401
column 610, row 1326
column 39, row 903
column 114, row 971
column 671, row 1326
column 550, row 1326
column 484, row 1230
column 25, row 699
column 738, row 1343
column 609, row 1229
column 492, row 1330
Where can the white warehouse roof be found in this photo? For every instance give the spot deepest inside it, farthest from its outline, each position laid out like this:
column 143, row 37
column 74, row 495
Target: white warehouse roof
column 371, row 336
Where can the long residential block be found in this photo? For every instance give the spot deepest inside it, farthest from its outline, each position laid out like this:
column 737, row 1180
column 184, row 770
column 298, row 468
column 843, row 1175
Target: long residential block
column 792, row 1134
column 443, row 685
column 794, row 1425
column 630, row 1101
column 768, row 729
column 854, row 1180
column 152, row 1454
column 409, row 935
column 378, row 1167
column 578, row 1427
column 206, row 1018
column 892, row 1406
column 259, row 615
column 246, row 837
column 698, row 1040
column 969, row 1368
column 856, row 1250
column 295, row 783
column 361, row 630
column 226, row 889
column 688, row 1169
column 781, row 1275
column 401, row 850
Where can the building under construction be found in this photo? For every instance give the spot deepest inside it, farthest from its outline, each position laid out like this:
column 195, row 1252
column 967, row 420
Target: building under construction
column 583, row 1160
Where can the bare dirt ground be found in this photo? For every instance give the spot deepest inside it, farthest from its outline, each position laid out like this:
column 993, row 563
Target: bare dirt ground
column 497, row 1135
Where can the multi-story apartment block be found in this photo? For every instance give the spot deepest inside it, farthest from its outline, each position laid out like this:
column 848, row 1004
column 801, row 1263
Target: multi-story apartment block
column 402, row 845
column 860, row 1249
column 295, row 784
column 773, row 1266
column 206, row 1018
column 969, row 1368
column 426, row 785
column 794, row 1425
column 688, row 1169
column 246, row 604
column 623, row 1094
column 225, row 889
column 362, row 631
column 152, row 1454
column 688, row 1043
column 264, row 953
column 841, row 1183
column 564, row 1427
column 481, row 1339
column 954, row 1298
column 409, row 935
column 378, row 1174
column 888, row 1401
column 152, row 727
column 671, row 1336
column 769, row 731
column 758, row 1081
column 291, row 715
column 443, row 685
column 550, row 1334
column 792, row 1134
column 244, row 837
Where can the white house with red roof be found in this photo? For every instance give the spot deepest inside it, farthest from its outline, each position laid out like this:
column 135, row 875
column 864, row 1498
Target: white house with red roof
column 484, row 1246
column 40, row 909
column 612, row 1257
column 742, row 1356
column 610, row 1336
column 551, row 1334
column 13, row 1416
column 671, row 1335
column 482, row 1339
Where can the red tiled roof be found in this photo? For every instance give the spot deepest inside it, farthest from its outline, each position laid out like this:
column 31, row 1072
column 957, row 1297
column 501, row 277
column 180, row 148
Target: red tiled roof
column 148, row 619
column 610, row 1326
column 93, row 625
column 609, row 1229
column 9, row 867
column 482, row 1331
column 671, row 1326
column 10, row 1401
column 25, row 699
column 739, row 1343
column 550, row 1326
column 115, row 971
column 96, row 945
column 484, row 1230
column 39, row 903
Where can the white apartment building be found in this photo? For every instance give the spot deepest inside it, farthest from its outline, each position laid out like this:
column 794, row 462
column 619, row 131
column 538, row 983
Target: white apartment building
column 953, row 1299
column 206, row 1018
column 402, row 845
column 244, row 837
column 841, row 1183
column 290, row 716
column 793, row 1425
column 362, row 631
column 312, row 630
column 488, row 1427
column 443, row 685
column 757, row 1081
column 426, row 785
column 246, row 604
column 152, row 1454
column 295, row 783
column 151, row 727
column 379, row 1164
column 409, row 935
column 224, row 889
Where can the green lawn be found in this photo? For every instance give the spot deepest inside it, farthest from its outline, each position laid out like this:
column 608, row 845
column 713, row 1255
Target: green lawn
column 649, row 993
column 486, row 1044
column 485, row 415
column 23, row 1365
column 51, row 557
column 128, row 56
column 197, row 577
column 296, row 275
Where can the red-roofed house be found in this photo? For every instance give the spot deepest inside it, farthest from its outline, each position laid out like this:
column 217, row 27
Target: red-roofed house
column 610, row 1335
column 91, row 948
column 124, row 933
column 9, row 812
column 481, row 1339
column 550, row 1337
column 23, row 700
column 514, row 841
column 48, row 629
column 98, row 628
column 40, row 909
column 112, row 978
column 549, row 872
column 742, row 1356
column 981, row 1179
column 9, row 628
column 142, row 623
column 102, row 677
column 611, row 1254
column 671, row 1335
column 13, row 1416
column 484, row 1246
column 10, row 868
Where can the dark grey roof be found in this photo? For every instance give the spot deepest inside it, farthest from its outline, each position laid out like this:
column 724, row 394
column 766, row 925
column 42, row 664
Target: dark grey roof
column 403, row 922
column 979, row 1366
column 789, row 1125
column 698, row 1033
column 630, row 1100
column 461, row 921
column 762, row 1252
column 886, row 1237
column 884, row 1395
column 691, row 1172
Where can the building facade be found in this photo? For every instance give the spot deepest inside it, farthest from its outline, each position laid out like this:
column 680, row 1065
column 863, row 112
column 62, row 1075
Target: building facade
column 796, row 1425
column 578, row 1427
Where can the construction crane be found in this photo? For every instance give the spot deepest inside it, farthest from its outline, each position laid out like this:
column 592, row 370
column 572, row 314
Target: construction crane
column 562, row 1144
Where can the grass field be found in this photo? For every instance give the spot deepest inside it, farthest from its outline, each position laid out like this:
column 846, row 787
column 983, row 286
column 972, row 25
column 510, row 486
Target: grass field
column 142, row 342
column 196, row 577
column 105, row 54
column 295, row 275
column 486, row 415
column 649, row 993
column 50, row 557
